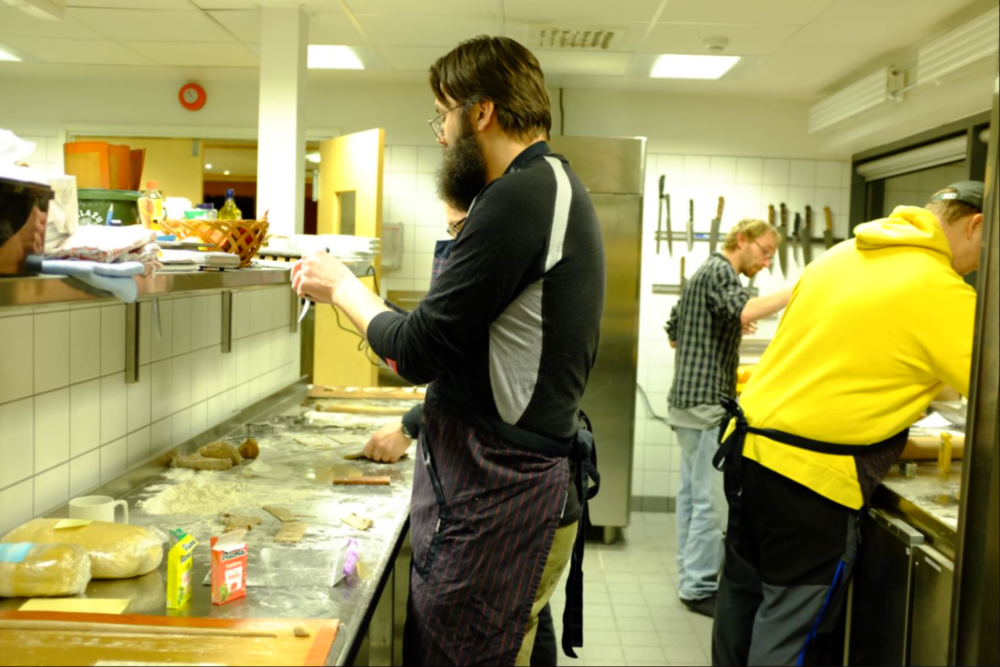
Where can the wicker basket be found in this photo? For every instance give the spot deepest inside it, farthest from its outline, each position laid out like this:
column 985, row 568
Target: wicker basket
column 238, row 237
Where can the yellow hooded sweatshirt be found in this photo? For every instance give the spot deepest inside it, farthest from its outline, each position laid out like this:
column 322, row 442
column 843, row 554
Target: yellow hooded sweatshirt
column 874, row 329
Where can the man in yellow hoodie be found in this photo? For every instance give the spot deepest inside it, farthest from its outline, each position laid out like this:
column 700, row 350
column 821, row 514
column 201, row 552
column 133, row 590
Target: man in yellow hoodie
column 875, row 328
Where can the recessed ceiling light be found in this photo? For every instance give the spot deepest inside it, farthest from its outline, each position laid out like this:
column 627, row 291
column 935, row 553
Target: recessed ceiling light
column 673, row 66
column 226, row 172
column 313, row 157
column 8, row 56
column 327, row 56
column 208, row 166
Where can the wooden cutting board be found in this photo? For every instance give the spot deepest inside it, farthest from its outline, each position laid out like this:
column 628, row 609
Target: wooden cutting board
column 412, row 393
column 39, row 638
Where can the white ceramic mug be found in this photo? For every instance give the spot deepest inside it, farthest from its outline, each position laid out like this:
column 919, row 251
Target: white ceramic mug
column 96, row 508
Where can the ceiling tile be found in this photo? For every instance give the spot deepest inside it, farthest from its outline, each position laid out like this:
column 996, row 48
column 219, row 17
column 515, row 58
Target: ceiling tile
column 583, row 62
column 791, row 12
column 181, row 5
column 194, row 54
column 329, row 6
column 334, row 29
column 558, row 10
column 77, row 51
column 16, row 23
column 425, row 30
column 244, row 23
column 478, row 9
column 155, row 26
column 412, row 58
column 744, row 40
column 632, row 31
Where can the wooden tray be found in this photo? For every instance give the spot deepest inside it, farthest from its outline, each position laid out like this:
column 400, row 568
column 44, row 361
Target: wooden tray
column 36, row 638
column 403, row 393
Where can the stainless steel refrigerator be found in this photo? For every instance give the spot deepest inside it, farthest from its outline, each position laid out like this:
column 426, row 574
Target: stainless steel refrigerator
column 612, row 171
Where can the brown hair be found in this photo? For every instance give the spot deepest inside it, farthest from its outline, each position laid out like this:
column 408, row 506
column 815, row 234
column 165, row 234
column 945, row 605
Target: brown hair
column 752, row 229
column 950, row 210
column 502, row 71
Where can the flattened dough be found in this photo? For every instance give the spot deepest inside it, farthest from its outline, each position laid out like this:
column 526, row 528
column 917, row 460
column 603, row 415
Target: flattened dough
column 116, row 550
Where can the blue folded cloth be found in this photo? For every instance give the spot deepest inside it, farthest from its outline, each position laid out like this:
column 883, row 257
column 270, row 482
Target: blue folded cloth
column 119, row 279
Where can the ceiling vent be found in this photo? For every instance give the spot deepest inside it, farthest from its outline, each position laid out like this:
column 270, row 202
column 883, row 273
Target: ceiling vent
column 576, row 39
column 848, row 102
column 974, row 41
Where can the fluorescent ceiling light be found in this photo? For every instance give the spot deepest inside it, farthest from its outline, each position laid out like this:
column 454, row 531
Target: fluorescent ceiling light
column 326, row 56
column 673, row 66
column 8, row 56
column 226, row 172
column 208, row 166
column 313, row 157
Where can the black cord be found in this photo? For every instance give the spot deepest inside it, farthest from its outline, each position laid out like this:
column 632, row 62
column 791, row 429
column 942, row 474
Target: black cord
column 562, row 115
column 649, row 406
column 371, row 272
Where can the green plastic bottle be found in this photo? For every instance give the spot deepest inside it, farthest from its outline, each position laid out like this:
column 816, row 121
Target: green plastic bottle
column 229, row 210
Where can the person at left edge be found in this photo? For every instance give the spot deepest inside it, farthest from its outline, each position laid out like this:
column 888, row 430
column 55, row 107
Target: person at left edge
column 507, row 337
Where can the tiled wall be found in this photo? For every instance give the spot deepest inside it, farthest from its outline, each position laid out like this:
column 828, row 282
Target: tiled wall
column 48, row 155
column 917, row 188
column 68, row 421
column 749, row 185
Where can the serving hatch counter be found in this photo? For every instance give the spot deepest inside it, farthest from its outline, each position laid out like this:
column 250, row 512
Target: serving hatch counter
column 301, row 452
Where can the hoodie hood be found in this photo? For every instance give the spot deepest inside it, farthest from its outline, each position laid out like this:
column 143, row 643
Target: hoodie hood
column 906, row 226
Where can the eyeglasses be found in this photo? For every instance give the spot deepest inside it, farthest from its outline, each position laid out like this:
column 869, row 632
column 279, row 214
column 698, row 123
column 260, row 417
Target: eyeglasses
column 437, row 123
column 768, row 254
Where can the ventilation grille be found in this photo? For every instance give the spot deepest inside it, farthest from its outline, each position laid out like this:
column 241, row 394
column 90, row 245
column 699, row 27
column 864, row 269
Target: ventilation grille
column 576, row 39
column 963, row 46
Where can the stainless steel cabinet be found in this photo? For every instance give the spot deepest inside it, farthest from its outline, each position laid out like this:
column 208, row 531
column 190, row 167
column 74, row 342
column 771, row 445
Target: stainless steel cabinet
column 933, row 584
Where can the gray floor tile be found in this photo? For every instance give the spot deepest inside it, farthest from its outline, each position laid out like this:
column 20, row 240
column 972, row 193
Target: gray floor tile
column 591, row 653
column 637, row 625
column 686, row 655
column 630, row 638
column 623, row 611
column 645, row 653
column 601, row 637
column 680, row 640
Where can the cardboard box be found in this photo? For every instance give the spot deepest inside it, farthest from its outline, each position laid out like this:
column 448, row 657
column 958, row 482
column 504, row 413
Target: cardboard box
column 229, row 567
column 180, row 561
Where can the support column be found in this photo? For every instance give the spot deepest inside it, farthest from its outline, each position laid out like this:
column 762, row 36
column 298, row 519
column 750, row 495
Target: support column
column 284, row 37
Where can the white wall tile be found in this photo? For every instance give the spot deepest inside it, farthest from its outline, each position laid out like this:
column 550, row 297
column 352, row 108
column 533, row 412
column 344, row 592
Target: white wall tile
column 161, row 392
column 657, row 433
column 182, row 326
column 181, row 392
column 723, row 170
column 114, row 408
column 403, row 158
column 17, row 378
column 222, row 406
column 654, row 484
column 697, row 169
column 16, row 505
column 199, row 375
column 402, row 184
column 112, row 339
column 749, row 171
column 242, row 396
column 214, row 315
column 161, row 345
column 84, row 417
column 180, row 424
column 199, row 322
column 51, row 489
column 162, row 436
column 241, row 349
column 229, row 371
column 828, row 174
column 84, row 344
column 802, row 173
column 51, row 429
column 244, row 314
column 84, row 473
column 17, row 441
column 256, row 312
column 199, row 418
column 428, row 159
column 658, row 458
column 138, row 447
column 51, row 351
column 145, row 333
column 776, row 172
column 139, row 400
column 114, row 460
column 430, row 213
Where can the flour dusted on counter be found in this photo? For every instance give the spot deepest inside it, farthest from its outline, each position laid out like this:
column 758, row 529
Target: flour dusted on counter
column 209, row 493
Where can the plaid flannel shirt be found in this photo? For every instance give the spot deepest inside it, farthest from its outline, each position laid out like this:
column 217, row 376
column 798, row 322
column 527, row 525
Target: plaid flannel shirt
column 706, row 325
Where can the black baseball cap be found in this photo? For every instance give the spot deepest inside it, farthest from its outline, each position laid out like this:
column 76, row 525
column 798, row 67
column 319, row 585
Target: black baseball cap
column 967, row 192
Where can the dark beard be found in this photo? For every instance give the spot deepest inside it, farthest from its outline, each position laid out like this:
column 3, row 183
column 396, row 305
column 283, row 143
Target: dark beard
column 463, row 173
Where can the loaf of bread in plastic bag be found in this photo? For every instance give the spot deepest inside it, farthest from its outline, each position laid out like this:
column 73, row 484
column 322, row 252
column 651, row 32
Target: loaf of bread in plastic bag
column 116, row 550
column 43, row 570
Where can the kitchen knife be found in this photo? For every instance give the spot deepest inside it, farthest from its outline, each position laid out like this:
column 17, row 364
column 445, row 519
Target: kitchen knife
column 806, row 239
column 828, row 232
column 683, row 279
column 770, row 221
column 690, row 225
column 797, row 252
column 670, row 233
column 713, row 237
column 783, row 241
column 659, row 213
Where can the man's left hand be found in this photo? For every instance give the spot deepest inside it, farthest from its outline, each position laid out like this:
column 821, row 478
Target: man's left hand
column 319, row 276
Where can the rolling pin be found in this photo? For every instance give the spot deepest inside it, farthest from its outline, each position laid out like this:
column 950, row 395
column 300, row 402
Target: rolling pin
column 119, row 629
column 372, row 480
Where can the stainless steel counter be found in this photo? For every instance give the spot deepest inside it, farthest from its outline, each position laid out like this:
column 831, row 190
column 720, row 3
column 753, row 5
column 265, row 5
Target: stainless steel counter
column 307, row 492
column 929, row 502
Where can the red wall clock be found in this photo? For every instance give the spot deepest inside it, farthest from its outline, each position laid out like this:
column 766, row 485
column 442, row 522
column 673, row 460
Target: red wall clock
column 192, row 96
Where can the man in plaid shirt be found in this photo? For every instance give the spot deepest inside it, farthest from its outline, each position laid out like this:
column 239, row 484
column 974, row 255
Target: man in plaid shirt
column 706, row 327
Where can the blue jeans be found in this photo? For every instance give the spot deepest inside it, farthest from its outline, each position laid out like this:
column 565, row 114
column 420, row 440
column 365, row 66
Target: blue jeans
column 701, row 507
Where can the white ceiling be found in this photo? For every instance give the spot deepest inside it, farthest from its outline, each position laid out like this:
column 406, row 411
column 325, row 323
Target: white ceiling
column 806, row 47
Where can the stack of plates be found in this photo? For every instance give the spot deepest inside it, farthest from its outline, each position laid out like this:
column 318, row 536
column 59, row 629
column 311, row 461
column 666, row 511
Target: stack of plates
column 358, row 252
column 189, row 260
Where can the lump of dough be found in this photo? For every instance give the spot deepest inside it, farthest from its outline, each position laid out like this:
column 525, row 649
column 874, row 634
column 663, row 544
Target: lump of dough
column 116, row 550
column 249, row 449
column 199, row 462
column 221, row 450
column 48, row 570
